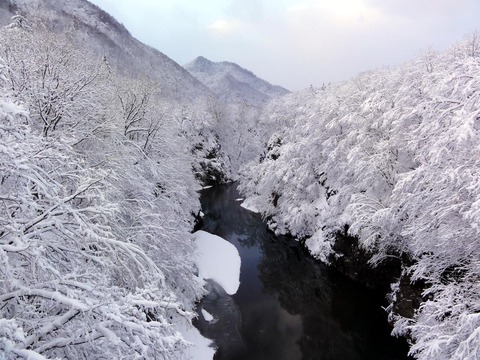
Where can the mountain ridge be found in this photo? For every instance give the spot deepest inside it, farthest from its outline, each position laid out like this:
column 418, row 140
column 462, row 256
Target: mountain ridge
column 233, row 83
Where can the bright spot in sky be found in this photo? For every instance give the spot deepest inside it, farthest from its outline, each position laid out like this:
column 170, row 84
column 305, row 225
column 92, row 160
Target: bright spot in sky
column 225, row 26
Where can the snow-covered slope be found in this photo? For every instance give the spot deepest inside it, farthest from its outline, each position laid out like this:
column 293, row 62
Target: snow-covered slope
column 100, row 32
column 391, row 157
column 97, row 181
column 233, row 83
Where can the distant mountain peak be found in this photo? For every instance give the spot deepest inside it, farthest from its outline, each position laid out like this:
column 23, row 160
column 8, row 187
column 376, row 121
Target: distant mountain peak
column 201, row 64
column 201, row 59
column 232, row 83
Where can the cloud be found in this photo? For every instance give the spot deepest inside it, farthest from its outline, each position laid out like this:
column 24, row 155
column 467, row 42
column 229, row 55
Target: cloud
column 225, row 26
column 334, row 40
column 420, row 9
column 246, row 10
column 340, row 13
column 298, row 42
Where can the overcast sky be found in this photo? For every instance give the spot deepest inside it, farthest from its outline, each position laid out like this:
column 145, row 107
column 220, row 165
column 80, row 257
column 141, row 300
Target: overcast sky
column 296, row 43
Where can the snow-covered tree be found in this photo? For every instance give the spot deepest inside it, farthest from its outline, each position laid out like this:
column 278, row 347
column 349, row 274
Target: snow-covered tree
column 60, row 82
column 70, row 287
column 393, row 156
column 95, row 242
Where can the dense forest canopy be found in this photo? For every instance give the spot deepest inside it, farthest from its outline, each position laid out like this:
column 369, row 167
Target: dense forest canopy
column 98, row 197
column 393, row 156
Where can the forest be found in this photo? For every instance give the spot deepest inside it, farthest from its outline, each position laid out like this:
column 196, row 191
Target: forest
column 393, row 156
column 99, row 193
column 98, row 197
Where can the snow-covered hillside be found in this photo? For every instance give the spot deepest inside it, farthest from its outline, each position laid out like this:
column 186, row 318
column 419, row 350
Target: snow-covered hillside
column 394, row 157
column 97, row 191
column 99, row 32
column 232, row 83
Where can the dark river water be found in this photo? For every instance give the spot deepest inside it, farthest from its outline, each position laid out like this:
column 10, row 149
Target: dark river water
column 288, row 305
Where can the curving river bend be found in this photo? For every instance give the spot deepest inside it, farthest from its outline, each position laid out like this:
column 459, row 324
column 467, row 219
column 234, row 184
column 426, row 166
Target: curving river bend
column 288, row 306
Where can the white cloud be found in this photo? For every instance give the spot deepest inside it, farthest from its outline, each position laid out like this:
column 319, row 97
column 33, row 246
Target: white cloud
column 298, row 42
column 341, row 13
column 246, row 10
column 225, row 26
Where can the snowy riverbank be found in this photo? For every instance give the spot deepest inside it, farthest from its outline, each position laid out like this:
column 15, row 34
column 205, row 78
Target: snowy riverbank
column 218, row 260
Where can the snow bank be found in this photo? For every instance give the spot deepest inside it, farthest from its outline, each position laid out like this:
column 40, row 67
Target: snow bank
column 218, row 260
column 249, row 204
column 200, row 348
column 207, row 316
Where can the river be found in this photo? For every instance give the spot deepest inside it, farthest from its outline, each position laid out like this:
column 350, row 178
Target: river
column 288, row 306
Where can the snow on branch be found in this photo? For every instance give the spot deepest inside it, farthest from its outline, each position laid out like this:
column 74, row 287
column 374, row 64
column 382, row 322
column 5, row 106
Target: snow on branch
column 398, row 151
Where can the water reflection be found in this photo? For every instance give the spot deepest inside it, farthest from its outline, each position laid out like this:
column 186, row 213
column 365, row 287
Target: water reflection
column 288, row 306
column 227, row 323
